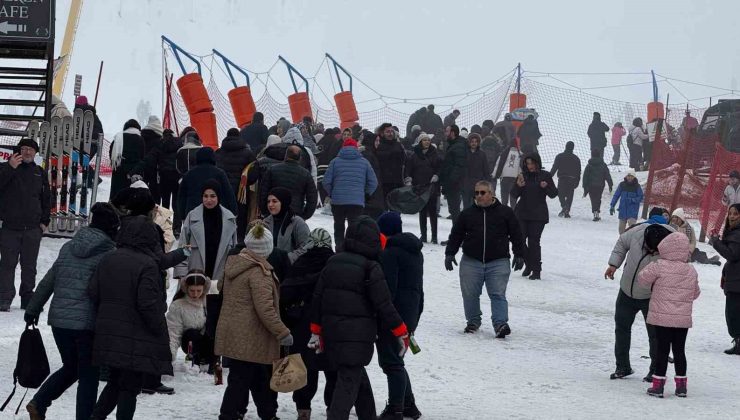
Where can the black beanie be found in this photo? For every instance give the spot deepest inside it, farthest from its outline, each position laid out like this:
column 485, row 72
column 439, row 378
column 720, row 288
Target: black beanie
column 205, row 155
column 283, row 195
column 29, row 143
column 132, row 124
column 140, row 202
column 105, row 218
column 211, row 184
column 233, row 132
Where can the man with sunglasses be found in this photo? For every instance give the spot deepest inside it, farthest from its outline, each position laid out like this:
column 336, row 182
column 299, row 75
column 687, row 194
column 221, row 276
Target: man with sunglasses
column 484, row 230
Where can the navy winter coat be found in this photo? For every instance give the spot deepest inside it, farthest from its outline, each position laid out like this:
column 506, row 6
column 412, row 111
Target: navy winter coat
column 403, row 266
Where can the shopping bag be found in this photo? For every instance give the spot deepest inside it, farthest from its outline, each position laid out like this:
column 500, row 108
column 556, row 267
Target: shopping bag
column 288, row 374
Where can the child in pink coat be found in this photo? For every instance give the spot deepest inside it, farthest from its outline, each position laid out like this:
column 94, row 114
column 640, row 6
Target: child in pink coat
column 675, row 286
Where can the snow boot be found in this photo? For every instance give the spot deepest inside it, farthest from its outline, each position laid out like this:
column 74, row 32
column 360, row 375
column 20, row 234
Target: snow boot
column 596, row 216
column 621, row 373
column 391, row 413
column 502, row 330
column 649, row 377
column 471, row 329
column 681, row 383
column 657, row 389
column 423, row 237
column 410, row 410
column 567, row 214
column 34, row 412
column 526, row 272
column 535, row 275
column 735, row 349
column 161, row 389
column 304, row 415
column 562, row 213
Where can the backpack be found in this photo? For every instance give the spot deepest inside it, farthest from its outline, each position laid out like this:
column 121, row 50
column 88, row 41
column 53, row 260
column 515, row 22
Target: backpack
column 654, row 234
column 32, row 366
column 630, row 140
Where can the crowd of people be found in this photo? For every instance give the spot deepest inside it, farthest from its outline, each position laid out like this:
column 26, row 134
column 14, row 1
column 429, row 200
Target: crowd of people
column 255, row 283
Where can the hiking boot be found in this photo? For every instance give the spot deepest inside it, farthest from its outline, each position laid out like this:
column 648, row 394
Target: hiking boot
column 471, row 329
column 34, row 412
column 443, row 243
column 657, row 389
column 567, row 214
column 649, row 377
column 304, row 415
column 681, row 383
column 434, row 240
column 535, row 275
column 526, row 272
column 562, row 213
column 502, row 330
column 596, row 216
column 391, row 413
column 621, row 373
column 735, row 349
column 161, row 389
column 410, row 410
column 423, row 238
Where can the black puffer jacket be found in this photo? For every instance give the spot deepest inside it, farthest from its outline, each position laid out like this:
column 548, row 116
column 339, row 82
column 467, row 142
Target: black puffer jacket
column 596, row 174
column 233, row 156
column 452, row 173
column 255, row 135
column 131, row 329
column 492, row 146
column 296, row 296
column 485, row 233
column 24, row 196
column 532, row 204
column 597, row 133
column 391, row 156
column 729, row 248
column 291, row 175
column 421, row 167
column 166, row 156
column 376, row 200
column 476, row 169
column 352, row 296
column 403, row 266
column 567, row 165
column 529, row 135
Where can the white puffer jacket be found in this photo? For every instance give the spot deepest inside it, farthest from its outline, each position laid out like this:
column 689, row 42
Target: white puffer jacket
column 639, row 136
column 185, row 314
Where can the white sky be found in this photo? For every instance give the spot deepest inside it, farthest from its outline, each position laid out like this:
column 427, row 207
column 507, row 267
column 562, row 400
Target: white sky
column 412, row 48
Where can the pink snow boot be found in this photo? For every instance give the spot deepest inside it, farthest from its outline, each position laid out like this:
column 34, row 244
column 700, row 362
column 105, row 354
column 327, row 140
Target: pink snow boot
column 657, row 389
column 681, row 384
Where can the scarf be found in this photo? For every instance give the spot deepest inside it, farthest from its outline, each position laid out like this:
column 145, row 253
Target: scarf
column 116, row 157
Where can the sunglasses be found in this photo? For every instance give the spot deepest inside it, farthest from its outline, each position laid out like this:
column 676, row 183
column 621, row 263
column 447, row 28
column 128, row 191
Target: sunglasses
column 481, row 192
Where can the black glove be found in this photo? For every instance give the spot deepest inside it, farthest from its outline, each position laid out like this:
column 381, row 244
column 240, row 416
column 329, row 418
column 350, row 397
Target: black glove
column 30, row 319
column 610, row 189
column 449, row 260
column 611, row 211
column 518, row 263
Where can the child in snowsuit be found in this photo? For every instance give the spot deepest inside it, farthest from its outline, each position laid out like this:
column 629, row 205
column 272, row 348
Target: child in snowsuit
column 629, row 196
column 675, row 286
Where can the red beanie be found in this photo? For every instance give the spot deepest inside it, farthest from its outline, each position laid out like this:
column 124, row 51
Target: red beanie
column 350, row 142
column 81, row 100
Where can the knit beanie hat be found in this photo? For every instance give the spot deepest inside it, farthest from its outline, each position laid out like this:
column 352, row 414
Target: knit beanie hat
column 233, row 132
column 679, row 213
column 205, row 155
column 140, row 202
column 81, row 100
column 29, row 143
column 320, row 238
column 259, row 240
column 390, row 223
column 105, row 218
column 350, row 142
column 273, row 139
column 154, row 124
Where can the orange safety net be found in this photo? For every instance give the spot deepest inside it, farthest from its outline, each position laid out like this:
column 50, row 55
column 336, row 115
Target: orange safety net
column 714, row 211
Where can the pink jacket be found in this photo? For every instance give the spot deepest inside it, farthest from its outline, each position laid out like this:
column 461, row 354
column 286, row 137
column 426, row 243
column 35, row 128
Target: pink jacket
column 617, row 134
column 674, row 283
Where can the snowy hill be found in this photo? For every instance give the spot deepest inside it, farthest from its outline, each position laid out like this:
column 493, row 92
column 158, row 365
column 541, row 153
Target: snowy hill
column 555, row 365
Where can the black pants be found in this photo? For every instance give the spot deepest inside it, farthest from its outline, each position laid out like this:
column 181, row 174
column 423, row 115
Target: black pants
column 342, row 212
column 119, row 393
column 202, row 346
column 670, row 339
column 532, row 231
column 453, row 195
column 243, row 378
column 636, row 157
column 429, row 211
column 353, row 389
column 242, row 221
column 594, row 193
column 399, row 385
column 732, row 313
column 506, row 185
column 303, row 396
column 75, row 348
column 150, row 178
column 467, row 198
column 617, row 153
column 168, row 187
column 600, row 150
column 624, row 316
column 566, row 190
column 387, row 188
column 15, row 246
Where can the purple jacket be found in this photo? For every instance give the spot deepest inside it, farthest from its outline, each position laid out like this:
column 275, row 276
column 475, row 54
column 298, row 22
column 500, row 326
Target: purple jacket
column 674, row 282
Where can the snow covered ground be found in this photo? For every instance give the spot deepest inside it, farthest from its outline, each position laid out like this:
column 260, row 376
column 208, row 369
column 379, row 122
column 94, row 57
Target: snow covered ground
column 556, row 363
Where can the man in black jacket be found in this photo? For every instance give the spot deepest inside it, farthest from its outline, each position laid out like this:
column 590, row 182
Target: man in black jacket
column 391, row 156
column 567, row 167
column 403, row 266
column 24, row 216
column 452, row 173
column 485, row 230
column 256, row 133
column 291, row 175
column 233, row 156
column 476, row 169
column 350, row 301
column 597, row 134
column 532, row 188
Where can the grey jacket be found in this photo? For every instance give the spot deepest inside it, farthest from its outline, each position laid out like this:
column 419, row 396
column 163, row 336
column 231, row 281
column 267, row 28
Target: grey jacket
column 629, row 250
column 295, row 238
column 193, row 233
column 68, row 279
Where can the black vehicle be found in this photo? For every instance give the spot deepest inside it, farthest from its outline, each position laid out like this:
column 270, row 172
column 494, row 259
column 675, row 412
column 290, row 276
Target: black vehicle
column 723, row 120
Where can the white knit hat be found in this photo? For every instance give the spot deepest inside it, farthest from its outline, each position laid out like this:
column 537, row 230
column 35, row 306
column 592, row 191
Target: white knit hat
column 631, row 172
column 679, row 213
column 259, row 240
column 273, row 139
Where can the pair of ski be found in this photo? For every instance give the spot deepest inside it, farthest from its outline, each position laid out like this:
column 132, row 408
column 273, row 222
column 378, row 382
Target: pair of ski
column 65, row 143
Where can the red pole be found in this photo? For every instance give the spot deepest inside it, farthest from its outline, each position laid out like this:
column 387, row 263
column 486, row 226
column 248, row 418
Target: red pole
column 97, row 88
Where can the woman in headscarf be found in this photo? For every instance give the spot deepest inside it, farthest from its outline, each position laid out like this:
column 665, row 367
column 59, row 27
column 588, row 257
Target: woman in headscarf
column 289, row 232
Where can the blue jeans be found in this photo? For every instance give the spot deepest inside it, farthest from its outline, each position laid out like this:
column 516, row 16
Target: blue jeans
column 75, row 348
column 495, row 275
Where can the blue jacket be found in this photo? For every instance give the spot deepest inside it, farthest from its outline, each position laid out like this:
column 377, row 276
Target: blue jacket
column 629, row 196
column 68, row 279
column 349, row 178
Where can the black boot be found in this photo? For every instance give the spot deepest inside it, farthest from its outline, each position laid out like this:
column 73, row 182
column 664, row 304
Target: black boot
column 391, row 413
column 410, row 410
column 535, row 275
column 526, row 272
column 735, row 349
